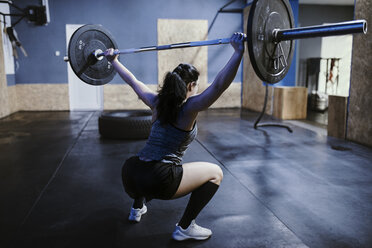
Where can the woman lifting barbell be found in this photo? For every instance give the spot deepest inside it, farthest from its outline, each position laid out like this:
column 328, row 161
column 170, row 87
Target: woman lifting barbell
column 156, row 172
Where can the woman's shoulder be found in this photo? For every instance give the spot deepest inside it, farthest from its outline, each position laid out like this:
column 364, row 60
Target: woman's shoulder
column 186, row 118
column 190, row 101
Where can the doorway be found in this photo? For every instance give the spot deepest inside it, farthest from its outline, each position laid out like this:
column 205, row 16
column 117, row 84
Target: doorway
column 82, row 96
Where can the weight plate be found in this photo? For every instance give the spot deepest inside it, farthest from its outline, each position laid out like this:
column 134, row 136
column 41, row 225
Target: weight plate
column 270, row 61
column 81, row 47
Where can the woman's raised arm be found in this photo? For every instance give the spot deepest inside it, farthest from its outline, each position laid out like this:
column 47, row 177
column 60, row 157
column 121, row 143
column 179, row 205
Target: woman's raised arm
column 223, row 80
column 147, row 95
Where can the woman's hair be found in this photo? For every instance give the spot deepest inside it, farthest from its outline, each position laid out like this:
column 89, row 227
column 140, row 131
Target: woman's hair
column 173, row 92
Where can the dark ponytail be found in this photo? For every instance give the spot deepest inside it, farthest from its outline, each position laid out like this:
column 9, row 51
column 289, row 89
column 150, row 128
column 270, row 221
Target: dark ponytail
column 173, row 92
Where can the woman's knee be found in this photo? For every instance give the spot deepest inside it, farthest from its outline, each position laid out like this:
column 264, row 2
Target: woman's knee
column 217, row 174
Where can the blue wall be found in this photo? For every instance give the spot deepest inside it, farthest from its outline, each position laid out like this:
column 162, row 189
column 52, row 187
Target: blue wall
column 133, row 23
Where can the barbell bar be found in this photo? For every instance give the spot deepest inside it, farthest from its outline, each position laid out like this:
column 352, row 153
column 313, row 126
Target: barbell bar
column 99, row 53
column 342, row 28
column 270, row 34
column 171, row 46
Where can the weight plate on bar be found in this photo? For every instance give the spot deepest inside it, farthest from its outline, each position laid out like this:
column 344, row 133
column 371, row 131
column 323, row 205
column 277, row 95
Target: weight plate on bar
column 81, row 47
column 270, row 61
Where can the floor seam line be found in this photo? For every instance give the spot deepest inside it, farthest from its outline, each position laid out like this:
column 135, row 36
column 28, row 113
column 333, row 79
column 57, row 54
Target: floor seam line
column 219, row 161
column 54, row 174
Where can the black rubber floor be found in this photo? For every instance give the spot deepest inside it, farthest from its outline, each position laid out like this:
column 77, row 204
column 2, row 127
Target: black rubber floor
column 60, row 186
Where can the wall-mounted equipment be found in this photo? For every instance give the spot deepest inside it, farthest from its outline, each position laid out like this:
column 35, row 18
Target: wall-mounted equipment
column 38, row 14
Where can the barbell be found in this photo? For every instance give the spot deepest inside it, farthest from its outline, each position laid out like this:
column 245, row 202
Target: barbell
column 270, row 38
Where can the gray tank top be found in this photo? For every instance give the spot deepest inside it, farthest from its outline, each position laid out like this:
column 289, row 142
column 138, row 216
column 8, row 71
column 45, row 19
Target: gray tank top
column 167, row 143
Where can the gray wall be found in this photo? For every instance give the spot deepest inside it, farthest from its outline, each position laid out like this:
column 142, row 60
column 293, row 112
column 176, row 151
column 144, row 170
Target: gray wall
column 317, row 15
column 133, row 24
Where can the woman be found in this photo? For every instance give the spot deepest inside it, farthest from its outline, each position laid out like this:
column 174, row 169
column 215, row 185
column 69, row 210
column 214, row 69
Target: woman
column 156, row 172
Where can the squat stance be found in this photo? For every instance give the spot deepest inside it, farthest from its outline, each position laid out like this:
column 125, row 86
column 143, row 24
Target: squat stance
column 157, row 172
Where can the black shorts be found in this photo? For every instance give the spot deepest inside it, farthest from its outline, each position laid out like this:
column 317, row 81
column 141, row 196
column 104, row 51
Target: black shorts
column 152, row 180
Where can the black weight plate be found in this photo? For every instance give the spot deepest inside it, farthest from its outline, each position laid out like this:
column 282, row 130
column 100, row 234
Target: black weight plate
column 270, row 61
column 81, row 47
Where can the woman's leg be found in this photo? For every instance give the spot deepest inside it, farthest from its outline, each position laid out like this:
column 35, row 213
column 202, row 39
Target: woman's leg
column 202, row 179
column 138, row 203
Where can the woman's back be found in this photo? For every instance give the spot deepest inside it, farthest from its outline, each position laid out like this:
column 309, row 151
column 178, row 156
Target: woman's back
column 167, row 143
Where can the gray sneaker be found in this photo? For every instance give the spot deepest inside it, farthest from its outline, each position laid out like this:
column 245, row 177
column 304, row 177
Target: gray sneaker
column 136, row 213
column 192, row 232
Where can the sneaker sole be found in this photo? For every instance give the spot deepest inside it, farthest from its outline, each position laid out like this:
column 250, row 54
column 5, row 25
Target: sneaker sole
column 182, row 237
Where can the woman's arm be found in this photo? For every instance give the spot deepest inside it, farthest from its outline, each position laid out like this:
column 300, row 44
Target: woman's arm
column 147, row 95
column 223, row 80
